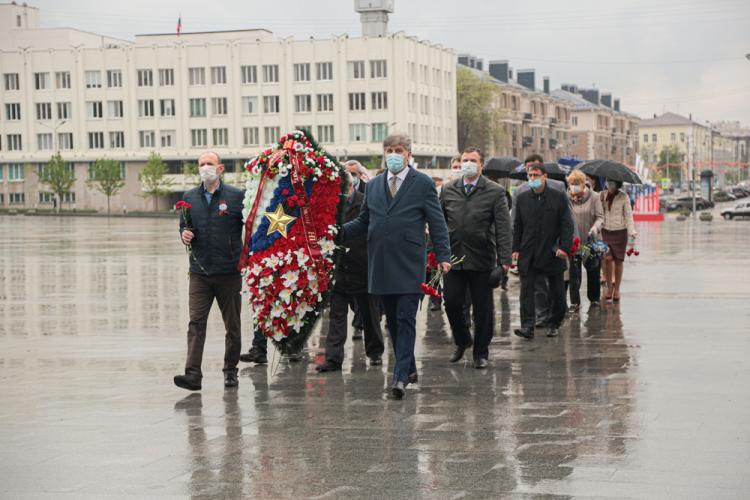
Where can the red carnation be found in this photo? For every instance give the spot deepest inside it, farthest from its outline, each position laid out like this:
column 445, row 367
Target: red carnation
column 576, row 245
column 431, row 261
column 183, row 204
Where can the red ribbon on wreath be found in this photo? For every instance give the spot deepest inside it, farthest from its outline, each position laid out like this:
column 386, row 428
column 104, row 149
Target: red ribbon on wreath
column 311, row 238
column 242, row 264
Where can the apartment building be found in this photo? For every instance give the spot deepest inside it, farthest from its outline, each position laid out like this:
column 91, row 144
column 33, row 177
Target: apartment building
column 90, row 96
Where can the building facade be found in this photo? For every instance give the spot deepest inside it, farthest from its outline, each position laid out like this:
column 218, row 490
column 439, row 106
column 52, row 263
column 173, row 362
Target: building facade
column 599, row 128
column 533, row 120
column 234, row 92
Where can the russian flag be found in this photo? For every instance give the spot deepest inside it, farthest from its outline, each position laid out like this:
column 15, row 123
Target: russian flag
column 179, row 24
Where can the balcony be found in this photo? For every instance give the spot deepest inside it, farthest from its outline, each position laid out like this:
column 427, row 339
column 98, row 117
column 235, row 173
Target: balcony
column 527, row 117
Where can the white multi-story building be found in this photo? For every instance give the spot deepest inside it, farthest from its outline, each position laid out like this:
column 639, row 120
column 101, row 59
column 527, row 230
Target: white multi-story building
column 90, row 96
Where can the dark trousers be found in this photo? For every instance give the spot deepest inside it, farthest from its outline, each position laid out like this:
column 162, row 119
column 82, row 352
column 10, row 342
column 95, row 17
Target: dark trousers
column 456, row 284
column 543, row 308
column 337, row 326
column 260, row 341
column 593, row 272
column 528, row 298
column 401, row 316
column 225, row 288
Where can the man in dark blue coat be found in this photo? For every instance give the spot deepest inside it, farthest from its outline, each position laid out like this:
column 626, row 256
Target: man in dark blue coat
column 398, row 203
column 214, row 232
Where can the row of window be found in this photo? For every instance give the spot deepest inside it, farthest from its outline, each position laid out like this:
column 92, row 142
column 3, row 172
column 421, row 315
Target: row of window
column 302, row 72
column 672, row 137
column 358, row 132
column 20, row 198
column 436, row 105
column 147, row 108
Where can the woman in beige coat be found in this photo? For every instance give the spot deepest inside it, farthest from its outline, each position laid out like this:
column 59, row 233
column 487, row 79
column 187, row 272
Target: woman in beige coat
column 617, row 229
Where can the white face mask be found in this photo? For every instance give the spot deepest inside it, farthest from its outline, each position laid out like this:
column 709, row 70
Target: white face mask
column 576, row 189
column 208, row 173
column 469, row 169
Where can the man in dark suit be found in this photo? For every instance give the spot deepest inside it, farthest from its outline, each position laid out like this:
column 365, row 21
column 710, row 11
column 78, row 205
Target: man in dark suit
column 398, row 203
column 476, row 211
column 215, row 235
column 351, row 286
column 542, row 241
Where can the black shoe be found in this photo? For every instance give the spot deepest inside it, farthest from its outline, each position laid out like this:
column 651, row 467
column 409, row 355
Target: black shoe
column 230, row 379
column 553, row 331
column 526, row 333
column 481, row 364
column 358, row 334
column 459, row 353
column 376, row 361
column 188, row 381
column 254, row 355
column 413, row 378
column 328, row 366
column 398, row 390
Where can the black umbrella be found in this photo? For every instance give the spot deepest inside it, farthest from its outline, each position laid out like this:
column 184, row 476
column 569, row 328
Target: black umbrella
column 554, row 171
column 610, row 170
column 500, row 166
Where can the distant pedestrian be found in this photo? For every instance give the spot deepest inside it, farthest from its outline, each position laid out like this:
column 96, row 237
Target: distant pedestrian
column 215, row 237
column 617, row 229
column 542, row 241
column 589, row 217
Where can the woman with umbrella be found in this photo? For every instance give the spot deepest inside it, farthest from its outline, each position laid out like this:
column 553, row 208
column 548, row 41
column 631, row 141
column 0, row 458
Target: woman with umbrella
column 618, row 225
column 589, row 216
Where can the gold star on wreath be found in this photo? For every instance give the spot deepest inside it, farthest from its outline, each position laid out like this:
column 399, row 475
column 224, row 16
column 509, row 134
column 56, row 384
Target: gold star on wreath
column 279, row 220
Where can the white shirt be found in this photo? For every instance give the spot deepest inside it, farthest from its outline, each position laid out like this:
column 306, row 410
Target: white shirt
column 400, row 176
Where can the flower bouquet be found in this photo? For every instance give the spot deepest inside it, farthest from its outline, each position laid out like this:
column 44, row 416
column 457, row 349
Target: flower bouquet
column 435, row 280
column 593, row 249
column 293, row 209
column 631, row 250
column 184, row 208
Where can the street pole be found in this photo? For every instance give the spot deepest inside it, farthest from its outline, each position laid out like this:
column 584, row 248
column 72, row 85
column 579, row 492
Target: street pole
column 691, row 169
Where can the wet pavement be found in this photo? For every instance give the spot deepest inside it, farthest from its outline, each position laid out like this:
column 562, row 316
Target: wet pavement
column 645, row 399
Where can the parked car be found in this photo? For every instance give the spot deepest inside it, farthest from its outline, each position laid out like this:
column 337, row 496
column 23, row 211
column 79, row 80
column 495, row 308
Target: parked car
column 687, row 202
column 722, row 196
column 740, row 192
column 740, row 210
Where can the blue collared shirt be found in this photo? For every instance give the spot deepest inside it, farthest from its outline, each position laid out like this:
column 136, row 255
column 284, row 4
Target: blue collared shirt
column 209, row 196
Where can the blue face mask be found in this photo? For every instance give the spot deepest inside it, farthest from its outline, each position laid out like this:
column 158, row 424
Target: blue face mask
column 394, row 162
column 535, row 183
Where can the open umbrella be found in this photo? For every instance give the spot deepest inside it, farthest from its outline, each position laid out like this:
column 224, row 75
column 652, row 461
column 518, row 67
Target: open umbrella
column 554, row 171
column 610, row 170
column 500, row 166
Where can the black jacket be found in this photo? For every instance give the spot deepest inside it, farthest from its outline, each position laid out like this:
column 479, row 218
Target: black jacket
column 542, row 225
column 478, row 224
column 351, row 272
column 217, row 244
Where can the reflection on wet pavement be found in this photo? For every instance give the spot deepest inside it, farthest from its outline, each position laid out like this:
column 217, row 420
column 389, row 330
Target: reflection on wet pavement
column 645, row 399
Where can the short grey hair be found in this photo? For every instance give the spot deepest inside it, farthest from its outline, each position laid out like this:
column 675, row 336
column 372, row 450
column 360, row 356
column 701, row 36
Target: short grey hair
column 398, row 139
column 360, row 168
column 209, row 152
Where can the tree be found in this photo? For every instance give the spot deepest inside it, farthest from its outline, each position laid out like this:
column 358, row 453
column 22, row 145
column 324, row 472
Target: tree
column 374, row 164
column 153, row 178
column 478, row 119
column 670, row 156
column 59, row 176
column 107, row 178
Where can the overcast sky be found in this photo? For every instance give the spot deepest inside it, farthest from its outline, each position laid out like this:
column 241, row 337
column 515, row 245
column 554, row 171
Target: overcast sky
column 686, row 56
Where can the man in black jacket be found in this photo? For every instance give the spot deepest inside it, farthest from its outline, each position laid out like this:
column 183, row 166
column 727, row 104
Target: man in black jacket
column 351, row 283
column 542, row 241
column 214, row 232
column 476, row 211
